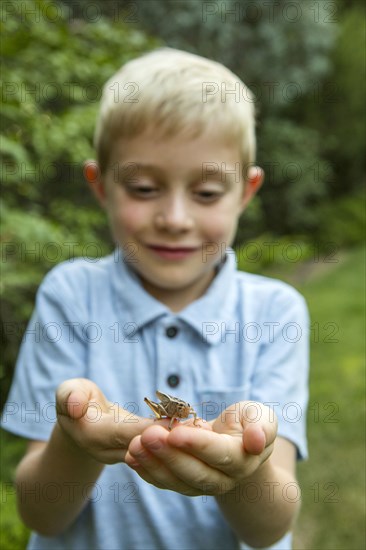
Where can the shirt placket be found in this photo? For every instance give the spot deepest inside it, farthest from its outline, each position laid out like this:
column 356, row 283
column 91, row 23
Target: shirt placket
column 170, row 377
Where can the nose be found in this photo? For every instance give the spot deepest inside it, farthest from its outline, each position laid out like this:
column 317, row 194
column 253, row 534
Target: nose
column 174, row 214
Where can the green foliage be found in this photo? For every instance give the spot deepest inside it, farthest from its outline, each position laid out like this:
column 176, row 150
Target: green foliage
column 251, row 39
column 345, row 118
column 14, row 534
column 31, row 244
column 343, row 220
column 51, row 98
column 54, row 67
column 336, row 108
column 333, row 479
column 268, row 251
column 296, row 176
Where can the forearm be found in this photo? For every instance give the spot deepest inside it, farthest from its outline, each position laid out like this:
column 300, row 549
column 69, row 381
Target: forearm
column 53, row 484
column 262, row 509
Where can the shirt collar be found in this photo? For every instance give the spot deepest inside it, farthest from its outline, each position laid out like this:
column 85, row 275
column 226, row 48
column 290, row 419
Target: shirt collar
column 205, row 315
column 215, row 309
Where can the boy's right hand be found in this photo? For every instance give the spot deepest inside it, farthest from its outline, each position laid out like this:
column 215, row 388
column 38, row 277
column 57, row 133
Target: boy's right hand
column 101, row 429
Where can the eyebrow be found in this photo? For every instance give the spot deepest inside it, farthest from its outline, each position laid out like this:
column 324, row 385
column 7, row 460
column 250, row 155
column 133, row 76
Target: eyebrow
column 131, row 168
column 225, row 178
column 142, row 165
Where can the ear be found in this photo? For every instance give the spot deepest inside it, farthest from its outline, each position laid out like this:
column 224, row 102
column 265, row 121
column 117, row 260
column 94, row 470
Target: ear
column 93, row 176
column 252, row 184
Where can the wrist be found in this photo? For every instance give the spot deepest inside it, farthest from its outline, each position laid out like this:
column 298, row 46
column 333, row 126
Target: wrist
column 270, row 473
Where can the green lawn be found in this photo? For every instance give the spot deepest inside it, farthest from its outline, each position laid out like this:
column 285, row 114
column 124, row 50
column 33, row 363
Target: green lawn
column 333, row 480
column 13, row 534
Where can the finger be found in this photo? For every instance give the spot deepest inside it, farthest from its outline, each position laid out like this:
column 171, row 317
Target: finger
column 260, row 426
column 185, row 466
column 97, row 431
column 255, row 417
column 172, row 484
column 220, row 451
column 152, row 469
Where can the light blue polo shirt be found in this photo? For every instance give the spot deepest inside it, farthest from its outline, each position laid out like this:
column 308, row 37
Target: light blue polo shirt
column 245, row 338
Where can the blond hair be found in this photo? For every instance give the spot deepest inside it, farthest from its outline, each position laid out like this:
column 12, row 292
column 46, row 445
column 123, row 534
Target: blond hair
column 175, row 92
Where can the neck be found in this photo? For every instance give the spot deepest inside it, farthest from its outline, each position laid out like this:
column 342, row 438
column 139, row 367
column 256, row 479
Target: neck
column 177, row 300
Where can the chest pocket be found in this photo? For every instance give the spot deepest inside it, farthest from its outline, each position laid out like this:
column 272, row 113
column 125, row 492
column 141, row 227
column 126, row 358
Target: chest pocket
column 213, row 402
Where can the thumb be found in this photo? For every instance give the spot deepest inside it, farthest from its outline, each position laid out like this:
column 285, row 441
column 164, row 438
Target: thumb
column 74, row 396
column 259, row 427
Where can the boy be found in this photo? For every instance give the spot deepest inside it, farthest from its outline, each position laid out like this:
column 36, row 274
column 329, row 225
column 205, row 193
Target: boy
column 170, row 312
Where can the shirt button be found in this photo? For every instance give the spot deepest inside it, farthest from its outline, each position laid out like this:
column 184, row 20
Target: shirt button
column 173, row 380
column 171, row 332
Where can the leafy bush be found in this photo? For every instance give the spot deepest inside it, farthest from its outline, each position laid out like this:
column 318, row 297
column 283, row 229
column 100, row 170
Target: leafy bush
column 54, row 67
column 267, row 250
column 343, row 220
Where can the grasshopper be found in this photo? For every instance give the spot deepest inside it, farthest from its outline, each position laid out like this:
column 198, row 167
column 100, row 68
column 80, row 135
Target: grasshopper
column 170, row 407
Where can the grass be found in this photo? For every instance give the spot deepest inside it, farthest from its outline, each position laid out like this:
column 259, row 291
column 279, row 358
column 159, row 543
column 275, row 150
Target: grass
column 13, row 534
column 333, row 479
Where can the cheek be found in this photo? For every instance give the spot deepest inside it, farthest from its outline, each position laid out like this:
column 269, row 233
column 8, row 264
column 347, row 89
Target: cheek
column 222, row 224
column 127, row 218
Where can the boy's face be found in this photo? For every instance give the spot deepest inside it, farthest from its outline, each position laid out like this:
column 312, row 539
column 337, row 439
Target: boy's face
column 173, row 207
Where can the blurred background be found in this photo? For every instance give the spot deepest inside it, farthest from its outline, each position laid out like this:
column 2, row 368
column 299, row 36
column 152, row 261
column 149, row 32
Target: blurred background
column 304, row 61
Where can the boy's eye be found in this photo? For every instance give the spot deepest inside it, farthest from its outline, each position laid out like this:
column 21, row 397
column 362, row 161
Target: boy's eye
column 141, row 189
column 208, row 195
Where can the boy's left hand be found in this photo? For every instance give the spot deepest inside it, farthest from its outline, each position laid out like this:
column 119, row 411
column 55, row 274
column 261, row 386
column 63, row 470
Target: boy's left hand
column 208, row 460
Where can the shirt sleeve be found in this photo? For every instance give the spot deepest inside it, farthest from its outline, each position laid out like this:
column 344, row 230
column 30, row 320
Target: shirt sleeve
column 280, row 379
column 53, row 349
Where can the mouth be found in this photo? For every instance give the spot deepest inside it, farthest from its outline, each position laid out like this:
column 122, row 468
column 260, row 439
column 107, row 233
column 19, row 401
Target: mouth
column 172, row 252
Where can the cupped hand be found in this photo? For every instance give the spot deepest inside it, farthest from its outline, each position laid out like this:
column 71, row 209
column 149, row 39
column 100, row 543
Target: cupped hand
column 98, row 427
column 210, row 459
